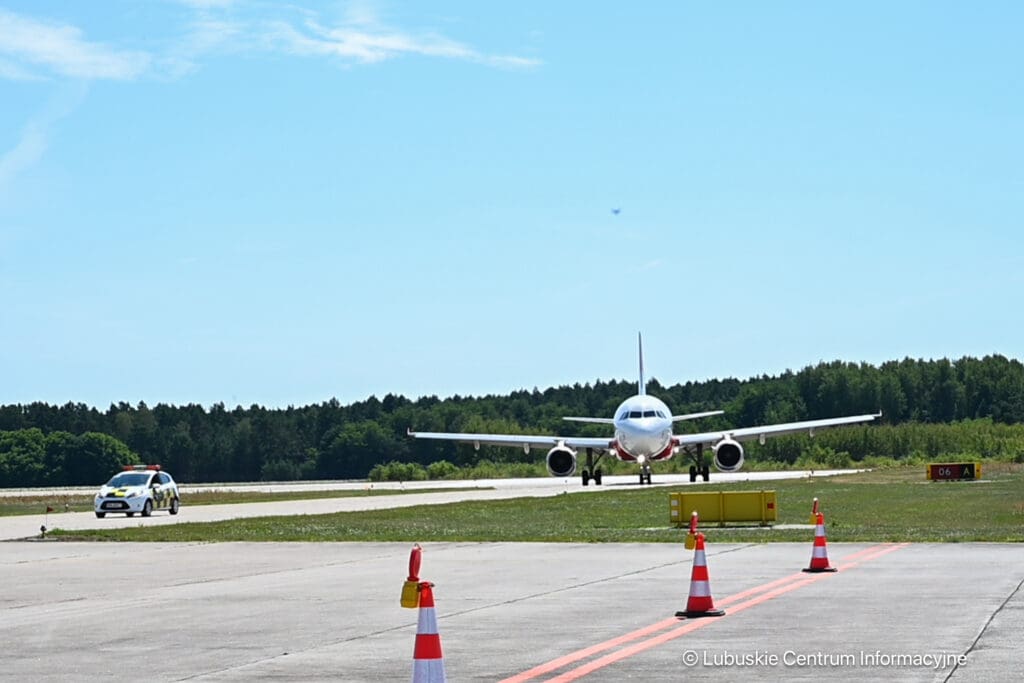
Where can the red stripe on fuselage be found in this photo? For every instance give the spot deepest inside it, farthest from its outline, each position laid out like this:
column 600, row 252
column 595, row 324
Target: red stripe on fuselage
column 623, row 454
column 665, row 454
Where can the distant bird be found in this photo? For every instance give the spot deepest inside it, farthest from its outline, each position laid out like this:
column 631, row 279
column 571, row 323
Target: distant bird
column 616, row 211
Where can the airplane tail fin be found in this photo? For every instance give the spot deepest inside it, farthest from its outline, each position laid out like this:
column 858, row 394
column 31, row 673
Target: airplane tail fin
column 642, row 384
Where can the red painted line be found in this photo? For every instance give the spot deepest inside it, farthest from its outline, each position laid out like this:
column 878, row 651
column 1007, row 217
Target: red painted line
column 634, row 635
column 885, row 550
column 871, row 550
column 758, row 589
column 688, row 627
column 792, row 577
column 767, row 591
column 572, row 657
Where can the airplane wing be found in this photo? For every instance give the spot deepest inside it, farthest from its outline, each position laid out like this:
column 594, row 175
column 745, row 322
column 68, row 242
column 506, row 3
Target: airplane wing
column 694, row 416
column 760, row 433
column 524, row 441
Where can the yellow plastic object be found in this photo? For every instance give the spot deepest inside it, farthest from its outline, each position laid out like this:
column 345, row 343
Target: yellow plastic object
column 724, row 506
column 691, row 541
column 411, row 594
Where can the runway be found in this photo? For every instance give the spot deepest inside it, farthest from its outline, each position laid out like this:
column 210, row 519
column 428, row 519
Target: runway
column 509, row 612
column 27, row 526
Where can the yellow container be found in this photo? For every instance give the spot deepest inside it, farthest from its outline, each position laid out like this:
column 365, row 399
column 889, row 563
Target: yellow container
column 724, row 506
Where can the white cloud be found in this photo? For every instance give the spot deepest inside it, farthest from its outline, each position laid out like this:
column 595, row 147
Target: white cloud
column 231, row 26
column 13, row 72
column 35, row 136
column 31, row 49
column 27, row 152
column 362, row 40
column 205, row 35
column 26, row 42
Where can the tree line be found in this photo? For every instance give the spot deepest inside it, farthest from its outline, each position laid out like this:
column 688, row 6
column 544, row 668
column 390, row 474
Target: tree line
column 42, row 444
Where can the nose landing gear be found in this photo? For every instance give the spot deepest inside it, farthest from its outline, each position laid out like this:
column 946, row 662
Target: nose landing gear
column 590, row 472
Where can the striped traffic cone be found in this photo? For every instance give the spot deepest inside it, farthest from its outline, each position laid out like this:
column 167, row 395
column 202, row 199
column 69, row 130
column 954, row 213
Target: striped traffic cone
column 700, row 604
column 428, row 661
column 819, row 556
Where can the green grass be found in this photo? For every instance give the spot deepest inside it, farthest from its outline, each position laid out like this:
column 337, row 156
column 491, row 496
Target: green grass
column 887, row 505
column 37, row 504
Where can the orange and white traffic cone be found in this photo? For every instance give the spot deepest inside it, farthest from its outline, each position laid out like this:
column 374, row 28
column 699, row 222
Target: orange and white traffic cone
column 699, row 603
column 819, row 556
column 428, row 660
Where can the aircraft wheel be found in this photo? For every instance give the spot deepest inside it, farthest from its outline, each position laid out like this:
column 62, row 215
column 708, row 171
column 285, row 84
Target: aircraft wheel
column 693, row 474
column 645, row 474
column 597, row 476
column 706, row 473
column 585, row 476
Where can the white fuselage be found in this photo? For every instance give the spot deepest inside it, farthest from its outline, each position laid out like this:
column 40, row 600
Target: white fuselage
column 643, row 429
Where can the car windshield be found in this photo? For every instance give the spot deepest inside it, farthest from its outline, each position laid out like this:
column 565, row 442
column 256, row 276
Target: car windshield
column 129, row 479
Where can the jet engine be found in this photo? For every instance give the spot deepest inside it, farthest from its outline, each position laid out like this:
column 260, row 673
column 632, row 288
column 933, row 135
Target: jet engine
column 561, row 461
column 728, row 455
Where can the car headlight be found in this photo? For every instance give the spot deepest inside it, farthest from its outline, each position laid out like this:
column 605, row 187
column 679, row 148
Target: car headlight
column 134, row 494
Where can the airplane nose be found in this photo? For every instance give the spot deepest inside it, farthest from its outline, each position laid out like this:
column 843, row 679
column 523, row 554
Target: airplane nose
column 646, row 443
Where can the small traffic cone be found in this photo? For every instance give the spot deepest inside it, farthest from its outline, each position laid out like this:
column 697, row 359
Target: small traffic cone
column 700, row 604
column 428, row 661
column 819, row 556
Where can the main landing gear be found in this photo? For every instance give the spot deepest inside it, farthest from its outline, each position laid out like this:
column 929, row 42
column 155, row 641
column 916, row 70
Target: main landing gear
column 699, row 468
column 589, row 471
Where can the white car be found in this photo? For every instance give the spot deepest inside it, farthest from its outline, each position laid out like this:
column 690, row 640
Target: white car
column 142, row 489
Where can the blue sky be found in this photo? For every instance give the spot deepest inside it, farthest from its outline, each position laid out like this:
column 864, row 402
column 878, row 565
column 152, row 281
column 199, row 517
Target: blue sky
column 250, row 202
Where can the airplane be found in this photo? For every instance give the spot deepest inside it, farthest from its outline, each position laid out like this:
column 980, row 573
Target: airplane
column 643, row 433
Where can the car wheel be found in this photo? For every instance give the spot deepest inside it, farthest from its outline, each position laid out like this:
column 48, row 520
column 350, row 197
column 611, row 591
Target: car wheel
column 147, row 508
column 174, row 506
column 101, row 515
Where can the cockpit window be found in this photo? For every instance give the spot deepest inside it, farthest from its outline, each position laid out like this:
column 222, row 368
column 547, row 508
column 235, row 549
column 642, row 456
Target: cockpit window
column 648, row 413
column 635, row 414
column 661, row 414
column 625, row 415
